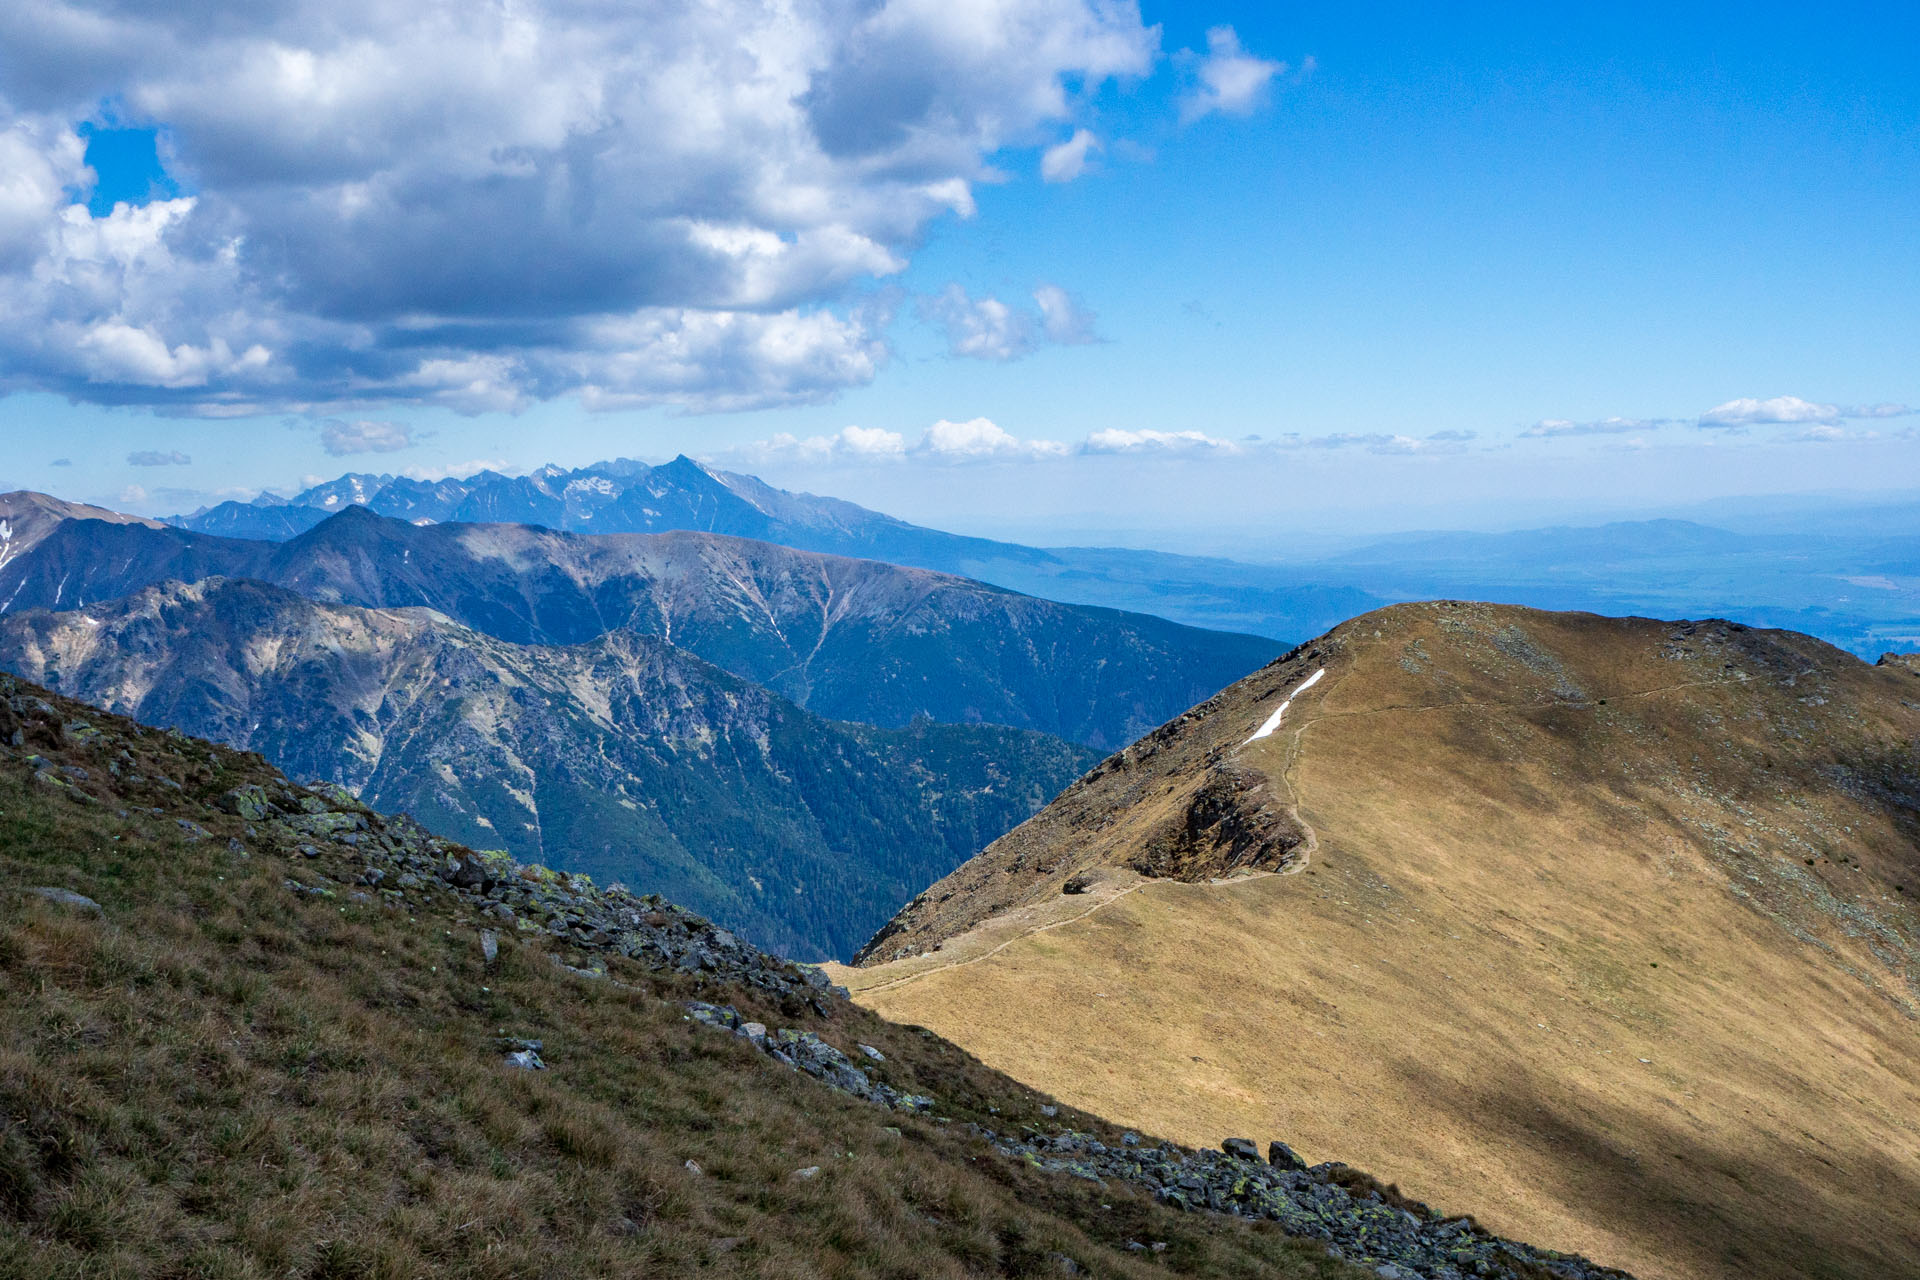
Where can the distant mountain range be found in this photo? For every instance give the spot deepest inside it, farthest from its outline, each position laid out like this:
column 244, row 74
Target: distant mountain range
column 1851, row 578
column 792, row 742
column 625, row 496
column 622, row 496
column 624, row 757
column 849, row 639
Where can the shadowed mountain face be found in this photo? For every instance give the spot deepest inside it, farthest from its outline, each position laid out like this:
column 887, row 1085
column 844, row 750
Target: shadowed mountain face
column 1609, row 923
column 624, row 757
column 851, row 639
column 27, row 520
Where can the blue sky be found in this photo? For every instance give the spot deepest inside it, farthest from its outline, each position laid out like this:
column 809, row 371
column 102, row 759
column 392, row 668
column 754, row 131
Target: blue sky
column 1208, row 275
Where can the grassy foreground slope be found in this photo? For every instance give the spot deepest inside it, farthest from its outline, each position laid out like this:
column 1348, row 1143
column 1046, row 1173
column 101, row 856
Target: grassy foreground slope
column 228, row 1048
column 1608, row 925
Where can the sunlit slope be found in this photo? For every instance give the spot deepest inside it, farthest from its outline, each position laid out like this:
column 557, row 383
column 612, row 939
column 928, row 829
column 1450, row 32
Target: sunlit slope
column 1607, row 925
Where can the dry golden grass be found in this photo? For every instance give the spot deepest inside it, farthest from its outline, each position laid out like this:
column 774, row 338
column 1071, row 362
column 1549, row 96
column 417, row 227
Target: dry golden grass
column 1609, row 938
column 218, row 1079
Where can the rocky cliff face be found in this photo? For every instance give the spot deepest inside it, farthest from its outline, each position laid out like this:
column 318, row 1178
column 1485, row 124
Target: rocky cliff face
column 1569, row 911
column 624, row 757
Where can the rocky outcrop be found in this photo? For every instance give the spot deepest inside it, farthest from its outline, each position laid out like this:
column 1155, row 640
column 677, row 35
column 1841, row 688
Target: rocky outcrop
column 1232, row 822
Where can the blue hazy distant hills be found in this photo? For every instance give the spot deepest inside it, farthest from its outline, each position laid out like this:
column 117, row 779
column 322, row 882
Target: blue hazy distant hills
column 1856, row 588
column 624, row 496
column 1848, row 573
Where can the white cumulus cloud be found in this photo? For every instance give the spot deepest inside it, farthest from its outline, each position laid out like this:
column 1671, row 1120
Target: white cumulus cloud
column 1227, row 79
column 1780, row 409
column 849, row 444
column 1116, row 440
column 484, row 206
column 1067, row 160
column 990, row 329
column 341, row 439
column 1381, row 442
column 982, row 328
column 981, row 440
column 1063, row 319
column 975, row 440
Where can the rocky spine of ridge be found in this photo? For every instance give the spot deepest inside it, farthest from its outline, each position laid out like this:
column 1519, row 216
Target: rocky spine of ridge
column 334, row 848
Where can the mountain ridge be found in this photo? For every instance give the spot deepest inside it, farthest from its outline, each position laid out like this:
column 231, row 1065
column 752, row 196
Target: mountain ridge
column 1579, row 912
column 1824, row 576
column 632, row 497
column 232, row 1008
column 851, row 639
column 622, row 757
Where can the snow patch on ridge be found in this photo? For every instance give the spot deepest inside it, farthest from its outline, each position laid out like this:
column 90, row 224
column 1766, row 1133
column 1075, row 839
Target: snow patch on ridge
column 1273, row 721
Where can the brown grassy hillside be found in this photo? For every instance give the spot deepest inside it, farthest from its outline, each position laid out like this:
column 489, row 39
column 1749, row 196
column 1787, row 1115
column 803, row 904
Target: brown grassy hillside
column 1608, row 925
column 253, row 1030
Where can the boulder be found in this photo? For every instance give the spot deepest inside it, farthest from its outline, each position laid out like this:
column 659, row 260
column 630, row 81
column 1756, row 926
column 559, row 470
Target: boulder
column 1241, row 1148
column 1281, row 1156
column 68, row 898
column 250, row 803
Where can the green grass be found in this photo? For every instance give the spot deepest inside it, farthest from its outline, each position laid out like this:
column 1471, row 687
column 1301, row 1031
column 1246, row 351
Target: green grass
column 218, row 1078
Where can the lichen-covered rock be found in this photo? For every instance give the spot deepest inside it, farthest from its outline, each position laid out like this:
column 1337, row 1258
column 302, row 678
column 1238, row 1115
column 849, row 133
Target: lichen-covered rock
column 250, row 803
column 1281, row 1156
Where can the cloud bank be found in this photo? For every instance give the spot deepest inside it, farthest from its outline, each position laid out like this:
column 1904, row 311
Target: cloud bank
column 1791, row 410
column 479, row 207
column 983, row 440
column 1732, row 416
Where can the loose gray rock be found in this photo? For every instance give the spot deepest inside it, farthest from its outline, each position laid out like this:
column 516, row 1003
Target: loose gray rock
column 1241, row 1148
column 250, row 803
column 811, row 1171
column 68, row 898
column 526, row 1060
column 489, row 946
